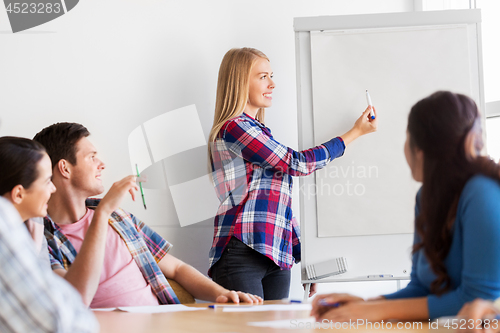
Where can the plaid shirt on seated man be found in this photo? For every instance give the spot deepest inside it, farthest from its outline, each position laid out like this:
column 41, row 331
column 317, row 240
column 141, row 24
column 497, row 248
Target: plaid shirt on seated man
column 146, row 247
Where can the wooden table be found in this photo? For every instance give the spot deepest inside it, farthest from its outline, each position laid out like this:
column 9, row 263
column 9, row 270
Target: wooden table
column 218, row 321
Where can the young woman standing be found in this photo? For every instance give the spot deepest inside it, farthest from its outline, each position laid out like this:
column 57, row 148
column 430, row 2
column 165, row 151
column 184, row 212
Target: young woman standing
column 256, row 236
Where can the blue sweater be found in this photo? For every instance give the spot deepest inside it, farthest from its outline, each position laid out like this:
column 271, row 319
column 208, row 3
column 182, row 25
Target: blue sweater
column 473, row 262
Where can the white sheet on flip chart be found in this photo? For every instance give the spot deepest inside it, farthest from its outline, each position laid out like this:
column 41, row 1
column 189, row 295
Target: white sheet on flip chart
column 369, row 190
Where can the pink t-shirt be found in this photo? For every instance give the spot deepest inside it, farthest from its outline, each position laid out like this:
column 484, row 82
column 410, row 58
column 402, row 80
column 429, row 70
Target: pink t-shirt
column 121, row 282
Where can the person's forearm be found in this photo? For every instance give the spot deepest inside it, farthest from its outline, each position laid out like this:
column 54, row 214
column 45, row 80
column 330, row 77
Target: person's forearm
column 85, row 272
column 404, row 309
column 351, row 135
column 197, row 284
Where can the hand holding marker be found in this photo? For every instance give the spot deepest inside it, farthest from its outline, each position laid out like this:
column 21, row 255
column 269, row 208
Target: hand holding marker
column 369, row 101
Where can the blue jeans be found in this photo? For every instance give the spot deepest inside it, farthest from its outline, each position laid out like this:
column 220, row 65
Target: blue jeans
column 241, row 268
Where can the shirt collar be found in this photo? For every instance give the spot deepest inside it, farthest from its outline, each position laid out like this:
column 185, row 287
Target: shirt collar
column 244, row 115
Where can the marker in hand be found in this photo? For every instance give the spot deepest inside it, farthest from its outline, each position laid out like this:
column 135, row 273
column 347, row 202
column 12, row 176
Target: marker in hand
column 369, row 101
column 140, row 186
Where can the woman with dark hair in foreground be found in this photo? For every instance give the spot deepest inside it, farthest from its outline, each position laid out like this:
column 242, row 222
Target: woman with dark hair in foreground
column 456, row 252
column 33, row 298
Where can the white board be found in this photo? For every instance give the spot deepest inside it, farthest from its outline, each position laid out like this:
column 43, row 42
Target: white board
column 369, row 190
column 363, row 207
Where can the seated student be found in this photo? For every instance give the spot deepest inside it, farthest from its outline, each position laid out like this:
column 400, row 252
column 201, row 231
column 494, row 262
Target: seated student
column 33, row 298
column 456, row 252
column 120, row 261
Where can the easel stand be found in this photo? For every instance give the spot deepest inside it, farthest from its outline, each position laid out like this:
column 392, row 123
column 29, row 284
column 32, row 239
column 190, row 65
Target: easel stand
column 307, row 283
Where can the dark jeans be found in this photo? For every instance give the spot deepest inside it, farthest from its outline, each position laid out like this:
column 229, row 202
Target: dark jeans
column 241, row 268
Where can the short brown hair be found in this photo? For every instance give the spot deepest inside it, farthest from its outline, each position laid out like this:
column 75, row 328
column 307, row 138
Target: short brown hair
column 60, row 141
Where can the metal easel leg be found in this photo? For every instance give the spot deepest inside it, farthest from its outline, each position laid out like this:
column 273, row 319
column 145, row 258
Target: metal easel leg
column 307, row 287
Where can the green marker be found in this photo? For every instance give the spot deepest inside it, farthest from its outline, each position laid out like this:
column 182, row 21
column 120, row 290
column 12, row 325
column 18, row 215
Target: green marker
column 140, row 186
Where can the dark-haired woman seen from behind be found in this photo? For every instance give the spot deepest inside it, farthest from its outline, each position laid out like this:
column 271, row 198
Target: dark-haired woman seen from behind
column 456, row 251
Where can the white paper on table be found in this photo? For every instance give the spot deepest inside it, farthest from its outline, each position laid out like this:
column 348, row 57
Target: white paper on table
column 269, row 307
column 138, row 150
column 286, row 323
column 167, row 133
column 105, row 309
column 158, row 308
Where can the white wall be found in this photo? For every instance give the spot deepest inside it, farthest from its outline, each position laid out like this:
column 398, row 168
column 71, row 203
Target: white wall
column 114, row 64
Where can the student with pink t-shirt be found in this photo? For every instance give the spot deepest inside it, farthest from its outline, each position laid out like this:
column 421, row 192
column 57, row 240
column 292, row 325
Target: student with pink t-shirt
column 107, row 254
column 120, row 282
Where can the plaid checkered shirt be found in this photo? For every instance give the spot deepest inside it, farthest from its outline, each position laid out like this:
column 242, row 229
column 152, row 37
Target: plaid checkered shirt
column 252, row 176
column 34, row 299
column 146, row 247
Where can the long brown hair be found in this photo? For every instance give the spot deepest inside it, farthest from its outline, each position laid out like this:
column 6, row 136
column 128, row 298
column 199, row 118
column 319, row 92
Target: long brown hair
column 233, row 89
column 447, row 128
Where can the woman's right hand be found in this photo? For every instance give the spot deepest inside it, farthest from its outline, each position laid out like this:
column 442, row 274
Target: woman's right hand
column 319, row 306
column 363, row 125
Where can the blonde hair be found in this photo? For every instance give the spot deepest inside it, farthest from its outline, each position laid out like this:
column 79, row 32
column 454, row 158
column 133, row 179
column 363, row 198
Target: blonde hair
column 233, row 89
